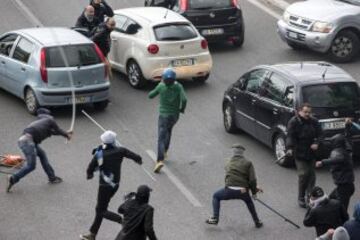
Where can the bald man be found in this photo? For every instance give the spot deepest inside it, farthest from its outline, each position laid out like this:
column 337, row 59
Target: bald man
column 87, row 19
column 101, row 35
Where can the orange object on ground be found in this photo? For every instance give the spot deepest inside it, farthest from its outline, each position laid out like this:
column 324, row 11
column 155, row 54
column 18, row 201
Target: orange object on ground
column 10, row 160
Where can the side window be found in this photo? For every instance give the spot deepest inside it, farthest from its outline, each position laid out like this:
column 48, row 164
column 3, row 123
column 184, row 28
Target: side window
column 277, row 89
column 6, row 44
column 129, row 23
column 23, row 50
column 120, row 22
column 255, row 79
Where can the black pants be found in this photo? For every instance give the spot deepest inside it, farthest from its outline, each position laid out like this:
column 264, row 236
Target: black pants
column 104, row 196
column 343, row 193
column 307, row 177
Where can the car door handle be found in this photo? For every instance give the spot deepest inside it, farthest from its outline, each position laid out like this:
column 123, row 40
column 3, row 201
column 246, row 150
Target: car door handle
column 114, row 39
column 3, row 62
column 253, row 101
column 23, row 69
column 275, row 111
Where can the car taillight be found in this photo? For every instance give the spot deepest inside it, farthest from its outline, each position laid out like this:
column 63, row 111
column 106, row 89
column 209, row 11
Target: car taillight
column 104, row 60
column 183, row 5
column 235, row 3
column 153, row 49
column 204, row 44
column 43, row 70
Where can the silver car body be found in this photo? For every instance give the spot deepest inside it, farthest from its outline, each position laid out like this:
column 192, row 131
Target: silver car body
column 90, row 83
column 299, row 19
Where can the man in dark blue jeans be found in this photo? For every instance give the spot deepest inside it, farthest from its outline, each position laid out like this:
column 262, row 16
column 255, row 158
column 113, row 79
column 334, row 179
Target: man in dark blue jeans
column 240, row 179
column 33, row 135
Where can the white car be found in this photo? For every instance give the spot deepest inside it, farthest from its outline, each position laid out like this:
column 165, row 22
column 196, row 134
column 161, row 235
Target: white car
column 149, row 39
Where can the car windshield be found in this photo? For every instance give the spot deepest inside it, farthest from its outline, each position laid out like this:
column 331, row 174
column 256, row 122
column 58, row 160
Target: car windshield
column 209, row 4
column 355, row 2
column 174, row 32
column 332, row 95
column 76, row 55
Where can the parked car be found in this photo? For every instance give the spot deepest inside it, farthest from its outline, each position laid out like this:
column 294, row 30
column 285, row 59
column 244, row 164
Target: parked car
column 149, row 39
column 326, row 26
column 32, row 68
column 216, row 20
column 264, row 99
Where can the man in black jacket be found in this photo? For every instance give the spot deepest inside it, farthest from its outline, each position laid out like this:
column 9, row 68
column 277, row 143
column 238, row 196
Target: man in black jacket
column 304, row 133
column 138, row 216
column 101, row 35
column 102, row 9
column 87, row 19
column 324, row 213
column 107, row 159
column 341, row 169
column 39, row 130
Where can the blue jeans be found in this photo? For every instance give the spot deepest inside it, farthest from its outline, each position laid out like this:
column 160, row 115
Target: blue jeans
column 165, row 126
column 229, row 194
column 31, row 151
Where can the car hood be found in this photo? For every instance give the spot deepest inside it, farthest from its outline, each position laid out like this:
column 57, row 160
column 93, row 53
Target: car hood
column 322, row 10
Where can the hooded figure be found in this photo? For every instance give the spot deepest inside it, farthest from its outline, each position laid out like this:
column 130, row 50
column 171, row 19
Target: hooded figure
column 102, row 9
column 353, row 225
column 137, row 216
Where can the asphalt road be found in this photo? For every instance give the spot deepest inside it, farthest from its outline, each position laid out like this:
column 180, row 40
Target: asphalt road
column 37, row 211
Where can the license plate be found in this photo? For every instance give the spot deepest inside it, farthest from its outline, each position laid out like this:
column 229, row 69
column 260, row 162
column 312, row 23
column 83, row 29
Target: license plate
column 293, row 35
column 183, row 62
column 215, row 31
column 79, row 100
column 333, row 125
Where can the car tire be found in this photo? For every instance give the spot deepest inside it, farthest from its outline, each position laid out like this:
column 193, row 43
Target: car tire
column 31, row 102
column 100, row 106
column 279, row 148
column 344, row 47
column 229, row 118
column 202, row 79
column 136, row 78
column 295, row 46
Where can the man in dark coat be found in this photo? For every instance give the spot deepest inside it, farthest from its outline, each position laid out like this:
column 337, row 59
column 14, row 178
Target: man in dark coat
column 87, row 20
column 353, row 226
column 304, row 133
column 102, row 9
column 107, row 159
column 39, row 130
column 341, row 168
column 138, row 216
column 324, row 213
column 101, row 35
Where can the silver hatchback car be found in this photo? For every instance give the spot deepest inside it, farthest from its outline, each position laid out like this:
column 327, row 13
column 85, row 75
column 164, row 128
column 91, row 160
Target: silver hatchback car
column 37, row 65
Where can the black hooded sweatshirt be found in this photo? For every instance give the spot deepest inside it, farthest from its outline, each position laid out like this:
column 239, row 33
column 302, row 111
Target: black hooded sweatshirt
column 101, row 36
column 102, row 10
column 82, row 22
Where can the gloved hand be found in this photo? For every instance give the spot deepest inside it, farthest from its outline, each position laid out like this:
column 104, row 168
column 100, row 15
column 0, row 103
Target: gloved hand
column 89, row 176
column 140, row 162
column 182, row 110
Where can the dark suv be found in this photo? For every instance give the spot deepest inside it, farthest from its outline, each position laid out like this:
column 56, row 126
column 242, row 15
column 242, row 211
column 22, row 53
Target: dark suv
column 216, row 20
column 264, row 99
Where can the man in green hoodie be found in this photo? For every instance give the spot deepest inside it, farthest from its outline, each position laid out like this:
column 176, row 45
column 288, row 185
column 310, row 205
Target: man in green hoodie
column 239, row 180
column 172, row 103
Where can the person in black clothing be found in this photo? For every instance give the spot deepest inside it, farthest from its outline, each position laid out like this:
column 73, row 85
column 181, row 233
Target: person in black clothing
column 138, row 216
column 107, row 158
column 160, row 3
column 101, row 35
column 87, row 19
column 341, row 169
column 324, row 213
column 304, row 133
column 44, row 127
column 102, row 9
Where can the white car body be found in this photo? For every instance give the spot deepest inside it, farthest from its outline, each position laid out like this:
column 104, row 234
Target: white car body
column 134, row 47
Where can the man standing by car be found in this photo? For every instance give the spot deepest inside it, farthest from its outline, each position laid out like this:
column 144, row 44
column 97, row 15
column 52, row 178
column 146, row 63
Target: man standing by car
column 87, row 19
column 101, row 35
column 304, row 133
column 102, row 9
column 39, row 130
column 172, row 103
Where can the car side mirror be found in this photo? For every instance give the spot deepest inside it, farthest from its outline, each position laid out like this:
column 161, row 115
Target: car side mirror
column 132, row 29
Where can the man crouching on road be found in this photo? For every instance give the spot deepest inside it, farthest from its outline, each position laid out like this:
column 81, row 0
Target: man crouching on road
column 240, row 178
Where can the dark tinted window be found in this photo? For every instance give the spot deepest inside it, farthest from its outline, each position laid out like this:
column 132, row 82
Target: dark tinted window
column 332, row 95
column 77, row 55
column 174, row 32
column 205, row 4
column 255, row 79
column 275, row 87
column 6, row 44
column 23, row 50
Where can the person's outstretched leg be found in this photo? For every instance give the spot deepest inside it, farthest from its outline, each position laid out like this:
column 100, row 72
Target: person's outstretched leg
column 45, row 163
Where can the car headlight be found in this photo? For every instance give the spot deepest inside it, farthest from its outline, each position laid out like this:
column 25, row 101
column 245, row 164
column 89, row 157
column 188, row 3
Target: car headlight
column 322, row 27
column 286, row 17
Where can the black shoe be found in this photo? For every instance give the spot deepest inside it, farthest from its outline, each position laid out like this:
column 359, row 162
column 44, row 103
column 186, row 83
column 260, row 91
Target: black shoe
column 10, row 183
column 258, row 224
column 302, row 203
column 212, row 221
column 55, row 180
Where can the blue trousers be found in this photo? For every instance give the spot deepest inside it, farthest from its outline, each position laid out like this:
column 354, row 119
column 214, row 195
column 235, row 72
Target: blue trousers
column 165, row 126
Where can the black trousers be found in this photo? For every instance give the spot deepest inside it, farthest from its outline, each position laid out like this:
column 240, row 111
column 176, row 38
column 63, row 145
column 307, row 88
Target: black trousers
column 105, row 194
column 343, row 193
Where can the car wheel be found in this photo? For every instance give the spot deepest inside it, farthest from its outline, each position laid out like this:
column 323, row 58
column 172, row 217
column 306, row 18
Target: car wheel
column 344, row 47
column 31, row 101
column 136, row 78
column 279, row 148
column 202, row 79
column 229, row 118
column 295, row 46
column 239, row 41
column 101, row 105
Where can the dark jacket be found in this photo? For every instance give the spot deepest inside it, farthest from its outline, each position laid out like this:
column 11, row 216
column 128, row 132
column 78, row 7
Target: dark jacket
column 330, row 213
column 82, row 22
column 43, row 128
column 112, row 158
column 101, row 36
column 137, row 221
column 240, row 173
column 301, row 135
column 353, row 229
column 351, row 129
column 102, row 10
column 163, row 3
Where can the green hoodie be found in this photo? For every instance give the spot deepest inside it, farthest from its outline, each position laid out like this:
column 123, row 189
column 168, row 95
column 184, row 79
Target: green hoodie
column 172, row 98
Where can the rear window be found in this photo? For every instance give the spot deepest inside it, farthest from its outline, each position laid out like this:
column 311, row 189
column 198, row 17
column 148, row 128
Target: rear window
column 208, row 4
column 75, row 55
column 174, row 32
column 334, row 95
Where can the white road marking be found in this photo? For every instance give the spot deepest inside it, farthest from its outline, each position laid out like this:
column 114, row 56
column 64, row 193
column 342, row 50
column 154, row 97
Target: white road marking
column 265, row 8
column 26, row 11
column 192, row 199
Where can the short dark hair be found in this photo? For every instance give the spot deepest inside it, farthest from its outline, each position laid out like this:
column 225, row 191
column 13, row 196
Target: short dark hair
column 304, row 105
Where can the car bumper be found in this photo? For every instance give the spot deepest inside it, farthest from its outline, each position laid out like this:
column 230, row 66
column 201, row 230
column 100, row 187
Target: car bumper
column 319, row 42
column 63, row 96
column 233, row 30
